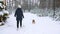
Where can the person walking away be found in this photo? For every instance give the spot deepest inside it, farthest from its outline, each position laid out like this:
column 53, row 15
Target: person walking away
column 19, row 16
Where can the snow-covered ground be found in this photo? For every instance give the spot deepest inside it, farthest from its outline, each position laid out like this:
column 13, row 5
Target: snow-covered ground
column 43, row 25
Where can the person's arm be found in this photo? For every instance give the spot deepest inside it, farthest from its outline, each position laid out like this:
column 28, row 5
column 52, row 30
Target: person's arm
column 22, row 13
column 15, row 13
column 23, row 16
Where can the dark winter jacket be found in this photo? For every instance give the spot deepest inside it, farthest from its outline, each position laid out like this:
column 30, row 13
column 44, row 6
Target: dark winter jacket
column 19, row 14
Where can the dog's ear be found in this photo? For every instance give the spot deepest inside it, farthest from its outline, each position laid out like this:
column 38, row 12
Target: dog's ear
column 33, row 21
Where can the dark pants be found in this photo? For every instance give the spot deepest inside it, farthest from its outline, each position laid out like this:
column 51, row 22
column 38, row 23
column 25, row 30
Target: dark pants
column 20, row 20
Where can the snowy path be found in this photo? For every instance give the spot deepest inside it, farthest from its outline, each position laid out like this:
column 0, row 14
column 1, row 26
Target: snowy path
column 43, row 25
